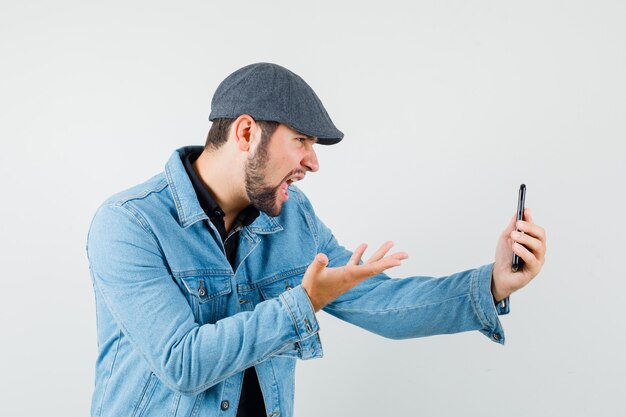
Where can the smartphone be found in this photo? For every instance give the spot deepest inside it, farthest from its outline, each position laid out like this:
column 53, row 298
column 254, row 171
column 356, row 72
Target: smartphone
column 518, row 263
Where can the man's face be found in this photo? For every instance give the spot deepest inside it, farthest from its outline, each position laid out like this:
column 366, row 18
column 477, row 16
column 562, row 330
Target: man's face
column 276, row 163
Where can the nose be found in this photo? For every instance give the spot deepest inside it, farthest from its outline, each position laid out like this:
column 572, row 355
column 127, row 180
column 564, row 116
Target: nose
column 310, row 160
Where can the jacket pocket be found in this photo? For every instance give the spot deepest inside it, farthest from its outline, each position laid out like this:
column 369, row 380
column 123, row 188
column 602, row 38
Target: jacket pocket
column 273, row 286
column 207, row 295
column 146, row 395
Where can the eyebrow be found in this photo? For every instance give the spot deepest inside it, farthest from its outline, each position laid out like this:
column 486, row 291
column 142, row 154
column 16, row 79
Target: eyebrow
column 313, row 138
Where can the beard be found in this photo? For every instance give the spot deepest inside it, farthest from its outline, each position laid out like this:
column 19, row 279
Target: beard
column 261, row 195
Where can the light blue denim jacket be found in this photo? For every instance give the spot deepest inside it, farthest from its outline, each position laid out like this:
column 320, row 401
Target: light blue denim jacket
column 177, row 326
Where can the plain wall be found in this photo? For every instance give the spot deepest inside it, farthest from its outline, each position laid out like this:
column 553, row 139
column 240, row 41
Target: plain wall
column 447, row 106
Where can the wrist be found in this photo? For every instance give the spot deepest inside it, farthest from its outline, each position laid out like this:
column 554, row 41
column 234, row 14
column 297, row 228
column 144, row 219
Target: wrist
column 316, row 308
column 497, row 294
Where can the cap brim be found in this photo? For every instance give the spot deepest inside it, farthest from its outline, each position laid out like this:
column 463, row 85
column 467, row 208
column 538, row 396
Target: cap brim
column 327, row 141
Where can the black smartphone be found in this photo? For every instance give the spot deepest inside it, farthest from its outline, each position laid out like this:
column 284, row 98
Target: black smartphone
column 518, row 263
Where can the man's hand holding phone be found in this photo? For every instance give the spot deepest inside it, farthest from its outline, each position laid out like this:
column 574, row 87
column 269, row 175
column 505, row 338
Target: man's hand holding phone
column 529, row 244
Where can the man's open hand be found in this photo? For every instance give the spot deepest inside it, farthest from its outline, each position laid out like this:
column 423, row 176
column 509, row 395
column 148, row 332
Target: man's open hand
column 324, row 284
column 529, row 245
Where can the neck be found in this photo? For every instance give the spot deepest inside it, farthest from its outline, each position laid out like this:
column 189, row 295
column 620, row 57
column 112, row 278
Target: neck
column 222, row 174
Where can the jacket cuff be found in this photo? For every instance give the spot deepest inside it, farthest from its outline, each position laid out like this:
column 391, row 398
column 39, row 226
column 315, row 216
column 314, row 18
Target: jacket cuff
column 503, row 307
column 483, row 304
column 305, row 323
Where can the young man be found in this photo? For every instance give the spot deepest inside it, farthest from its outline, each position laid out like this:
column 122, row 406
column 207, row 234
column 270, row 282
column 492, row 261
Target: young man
column 208, row 276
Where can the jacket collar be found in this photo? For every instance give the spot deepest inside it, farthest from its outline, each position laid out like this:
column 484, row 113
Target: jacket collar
column 187, row 205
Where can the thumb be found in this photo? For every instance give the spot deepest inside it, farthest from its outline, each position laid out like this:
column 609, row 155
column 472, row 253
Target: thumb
column 320, row 262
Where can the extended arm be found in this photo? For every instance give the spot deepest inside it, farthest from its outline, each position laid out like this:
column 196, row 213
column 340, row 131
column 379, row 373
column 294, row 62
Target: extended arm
column 422, row 306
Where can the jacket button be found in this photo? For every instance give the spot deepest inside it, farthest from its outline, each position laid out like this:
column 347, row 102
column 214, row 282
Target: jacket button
column 225, row 404
column 495, row 336
column 201, row 292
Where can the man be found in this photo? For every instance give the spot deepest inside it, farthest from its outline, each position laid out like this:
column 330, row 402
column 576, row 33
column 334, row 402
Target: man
column 208, row 276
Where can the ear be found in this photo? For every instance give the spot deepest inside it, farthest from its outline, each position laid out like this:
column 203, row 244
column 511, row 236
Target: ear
column 245, row 129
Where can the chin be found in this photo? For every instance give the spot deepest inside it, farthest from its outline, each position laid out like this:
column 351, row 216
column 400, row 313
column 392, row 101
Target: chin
column 274, row 210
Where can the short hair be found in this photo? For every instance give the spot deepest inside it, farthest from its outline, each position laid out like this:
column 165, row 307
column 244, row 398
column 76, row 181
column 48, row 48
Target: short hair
column 218, row 133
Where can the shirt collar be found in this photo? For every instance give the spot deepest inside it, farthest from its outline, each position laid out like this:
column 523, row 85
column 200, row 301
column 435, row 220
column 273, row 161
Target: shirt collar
column 205, row 198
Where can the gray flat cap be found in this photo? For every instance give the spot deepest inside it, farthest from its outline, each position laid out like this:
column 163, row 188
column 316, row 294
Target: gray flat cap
column 270, row 92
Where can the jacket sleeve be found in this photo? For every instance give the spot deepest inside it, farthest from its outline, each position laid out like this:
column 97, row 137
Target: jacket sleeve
column 415, row 306
column 131, row 274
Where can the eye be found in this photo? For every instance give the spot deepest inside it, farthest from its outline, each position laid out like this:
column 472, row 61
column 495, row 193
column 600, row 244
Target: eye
column 301, row 140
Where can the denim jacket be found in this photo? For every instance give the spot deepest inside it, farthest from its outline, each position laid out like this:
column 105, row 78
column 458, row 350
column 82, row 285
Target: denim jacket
column 177, row 326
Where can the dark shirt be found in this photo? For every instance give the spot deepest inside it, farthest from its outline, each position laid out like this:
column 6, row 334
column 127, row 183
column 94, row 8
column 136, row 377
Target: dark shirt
column 251, row 401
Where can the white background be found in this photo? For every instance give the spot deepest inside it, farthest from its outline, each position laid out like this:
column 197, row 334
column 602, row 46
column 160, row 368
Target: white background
column 447, row 106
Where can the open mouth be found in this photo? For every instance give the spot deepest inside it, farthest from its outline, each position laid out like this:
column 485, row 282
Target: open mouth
column 294, row 178
column 284, row 187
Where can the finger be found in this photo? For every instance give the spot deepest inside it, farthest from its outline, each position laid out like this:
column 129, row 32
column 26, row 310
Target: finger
column 532, row 229
column 527, row 215
column 362, row 272
column 383, row 264
column 535, row 245
column 400, row 256
column 374, row 268
column 355, row 259
column 527, row 256
column 384, row 248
